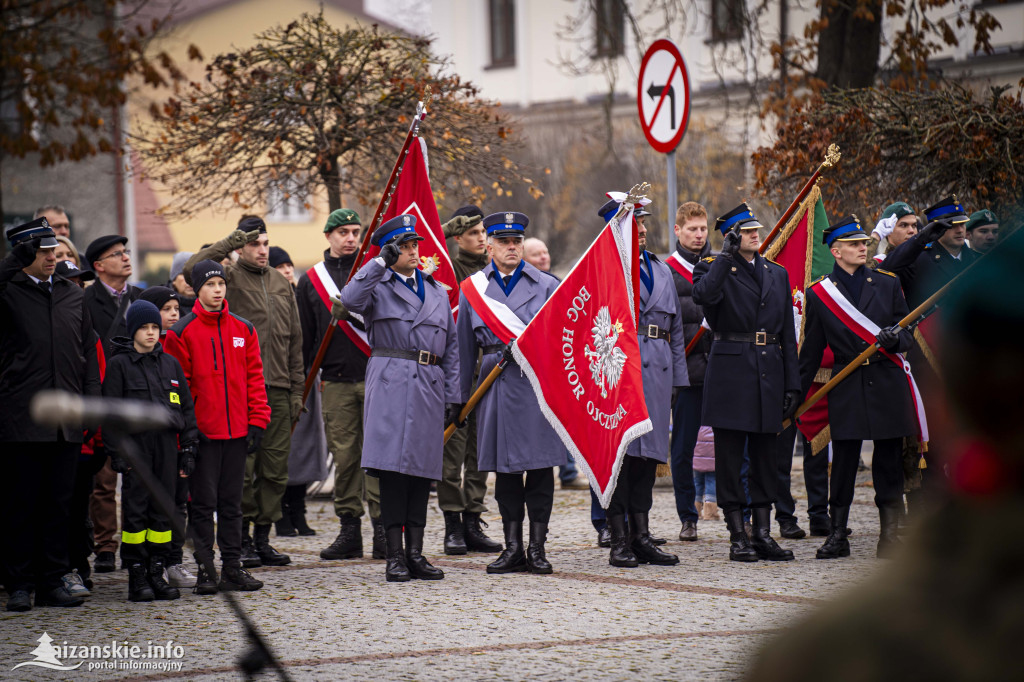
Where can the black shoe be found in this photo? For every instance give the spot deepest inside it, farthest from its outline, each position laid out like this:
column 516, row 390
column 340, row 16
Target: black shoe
column 836, row 545
column 419, row 567
column 104, row 563
column 237, row 579
column 739, row 547
column 535, row 556
column 296, row 495
column 888, row 537
column 620, row 555
column 283, row 527
column 454, row 534
column 380, row 542
column 19, row 601
column 656, row 540
column 820, row 528
column 58, row 596
column 512, row 559
column 604, row 536
column 688, row 531
column 138, row 584
column 762, row 542
column 250, row 559
column 206, row 583
column 476, row 539
column 161, row 589
column 349, row 543
column 791, row 531
column 397, row 570
column 267, row 554
column 643, row 546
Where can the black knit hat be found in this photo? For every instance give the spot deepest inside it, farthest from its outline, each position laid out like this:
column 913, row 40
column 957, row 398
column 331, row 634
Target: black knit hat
column 279, row 256
column 158, row 296
column 139, row 313
column 204, row 270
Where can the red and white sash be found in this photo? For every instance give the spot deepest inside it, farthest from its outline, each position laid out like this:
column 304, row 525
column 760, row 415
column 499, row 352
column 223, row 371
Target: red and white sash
column 867, row 330
column 498, row 317
column 681, row 265
column 326, row 288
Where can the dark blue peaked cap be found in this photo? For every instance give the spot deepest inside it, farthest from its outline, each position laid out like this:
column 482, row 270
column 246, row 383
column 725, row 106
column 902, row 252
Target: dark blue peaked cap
column 742, row 215
column 399, row 229
column 846, row 230
column 30, row 230
column 508, row 224
column 947, row 208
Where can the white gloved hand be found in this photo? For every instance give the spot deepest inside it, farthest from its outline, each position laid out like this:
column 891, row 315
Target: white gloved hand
column 885, row 226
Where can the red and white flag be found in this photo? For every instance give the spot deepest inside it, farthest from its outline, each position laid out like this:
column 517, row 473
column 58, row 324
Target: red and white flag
column 582, row 356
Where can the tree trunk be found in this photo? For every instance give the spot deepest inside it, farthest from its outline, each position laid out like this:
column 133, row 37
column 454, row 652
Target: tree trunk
column 332, row 181
column 849, row 43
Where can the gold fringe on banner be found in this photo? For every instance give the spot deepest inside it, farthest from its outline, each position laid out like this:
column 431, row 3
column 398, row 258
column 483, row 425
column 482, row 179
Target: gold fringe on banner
column 773, row 250
column 663, row 470
column 927, row 351
column 821, row 441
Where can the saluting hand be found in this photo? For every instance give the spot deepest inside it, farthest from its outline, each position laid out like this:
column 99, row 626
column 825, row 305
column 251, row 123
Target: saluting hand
column 25, row 252
column 238, row 239
column 390, row 254
column 731, row 244
column 935, row 229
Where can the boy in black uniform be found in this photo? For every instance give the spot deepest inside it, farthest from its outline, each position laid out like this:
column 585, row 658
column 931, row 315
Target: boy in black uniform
column 140, row 370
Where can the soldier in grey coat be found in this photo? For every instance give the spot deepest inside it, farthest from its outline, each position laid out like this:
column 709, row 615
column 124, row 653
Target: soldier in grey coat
column 411, row 387
column 513, row 436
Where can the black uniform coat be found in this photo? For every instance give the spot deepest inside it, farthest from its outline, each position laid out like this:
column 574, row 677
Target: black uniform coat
column 924, row 267
column 102, row 309
column 343, row 361
column 692, row 315
column 874, row 402
column 745, row 384
column 46, row 342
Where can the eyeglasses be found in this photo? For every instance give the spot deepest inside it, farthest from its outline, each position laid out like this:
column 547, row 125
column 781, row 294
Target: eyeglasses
column 117, row 254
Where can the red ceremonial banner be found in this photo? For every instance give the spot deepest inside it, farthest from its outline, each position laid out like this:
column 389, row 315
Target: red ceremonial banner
column 582, row 356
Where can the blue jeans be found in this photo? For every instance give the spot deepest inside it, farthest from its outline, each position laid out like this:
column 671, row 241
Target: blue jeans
column 704, row 484
column 685, row 425
column 597, row 513
column 568, row 472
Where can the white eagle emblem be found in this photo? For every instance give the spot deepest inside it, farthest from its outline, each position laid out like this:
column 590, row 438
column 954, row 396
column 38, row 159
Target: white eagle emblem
column 606, row 360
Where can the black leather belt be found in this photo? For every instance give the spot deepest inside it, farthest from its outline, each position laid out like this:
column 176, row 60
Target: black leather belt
column 493, row 348
column 872, row 360
column 653, row 331
column 422, row 357
column 756, row 338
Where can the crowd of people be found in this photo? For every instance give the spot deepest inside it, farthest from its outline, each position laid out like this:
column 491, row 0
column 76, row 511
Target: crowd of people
column 226, row 346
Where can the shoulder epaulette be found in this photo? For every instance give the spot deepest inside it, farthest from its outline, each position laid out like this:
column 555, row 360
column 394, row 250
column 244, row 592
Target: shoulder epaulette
column 817, row 280
column 708, row 259
column 885, row 272
column 774, row 263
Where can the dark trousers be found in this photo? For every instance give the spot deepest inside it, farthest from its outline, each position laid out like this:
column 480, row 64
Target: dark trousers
column 403, row 500
column 36, row 487
column 634, row 490
column 181, row 508
column 145, row 529
column 763, row 476
column 217, row 487
column 536, row 494
column 80, row 542
column 886, row 471
column 685, row 427
column 598, row 517
column 815, row 479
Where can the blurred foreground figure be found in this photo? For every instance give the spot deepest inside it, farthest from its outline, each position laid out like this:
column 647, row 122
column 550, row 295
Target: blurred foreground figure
column 946, row 610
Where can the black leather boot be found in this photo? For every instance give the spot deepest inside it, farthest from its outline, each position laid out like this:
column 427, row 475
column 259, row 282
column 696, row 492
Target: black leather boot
column 396, row 570
column 250, row 559
column 419, row 567
column 888, row 536
column 237, row 579
column 161, row 589
column 267, row 554
column 535, row 557
column 284, row 526
column 296, row 495
column 512, row 559
column 620, row 554
column 476, row 539
column 643, row 546
column 836, row 545
column 349, row 543
column 138, row 584
column 762, row 541
column 380, row 543
column 206, row 583
column 739, row 548
column 454, row 534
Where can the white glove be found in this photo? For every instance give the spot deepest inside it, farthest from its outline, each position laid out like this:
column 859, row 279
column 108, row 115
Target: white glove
column 885, row 226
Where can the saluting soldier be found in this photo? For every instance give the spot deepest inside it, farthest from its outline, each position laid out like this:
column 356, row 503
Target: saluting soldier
column 513, row 437
column 752, row 382
column 411, row 387
column 848, row 310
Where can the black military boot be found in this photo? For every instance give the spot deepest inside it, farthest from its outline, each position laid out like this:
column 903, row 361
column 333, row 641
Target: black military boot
column 418, row 566
column 284, row 526
column 206, row 583
column 739, row 549
column 512, row 559
column 535, row 557
column 396, row 571
column 620, row 555
column 237, row 579
column 836, row 545
column 762, row 541
column 161, row 589
column 888, row 537
column 349, row 543
column 454, row 534
column 643, row 546
column 138, row 584
column 476, row 539
column 604, row 536
column 380, row 543
column 268, row 555
column 250, row 559
column 297, row 509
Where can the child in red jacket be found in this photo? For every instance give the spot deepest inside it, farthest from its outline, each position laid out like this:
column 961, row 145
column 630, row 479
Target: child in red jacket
column 220, row 354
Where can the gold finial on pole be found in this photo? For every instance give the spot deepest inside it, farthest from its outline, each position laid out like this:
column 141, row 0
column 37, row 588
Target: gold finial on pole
column 832, row 155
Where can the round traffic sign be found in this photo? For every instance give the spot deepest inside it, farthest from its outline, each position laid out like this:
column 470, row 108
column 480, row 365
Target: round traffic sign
column 663, row 96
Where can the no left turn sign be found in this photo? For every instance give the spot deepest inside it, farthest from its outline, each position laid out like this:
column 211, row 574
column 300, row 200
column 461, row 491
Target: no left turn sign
column 663, row 96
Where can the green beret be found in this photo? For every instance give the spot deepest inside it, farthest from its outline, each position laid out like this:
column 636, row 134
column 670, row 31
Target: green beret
column 343, row 216
column 899, row 209
column 982, row 217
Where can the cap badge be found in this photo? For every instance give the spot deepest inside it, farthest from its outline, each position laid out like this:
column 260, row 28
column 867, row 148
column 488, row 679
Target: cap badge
column 510, row 218
column 44, row 223
column 406, row 220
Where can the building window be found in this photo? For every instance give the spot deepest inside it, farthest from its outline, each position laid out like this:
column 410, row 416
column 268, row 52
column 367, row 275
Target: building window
column 285, row 206
column 610, row 28
column 726, row 20
column 503, row 32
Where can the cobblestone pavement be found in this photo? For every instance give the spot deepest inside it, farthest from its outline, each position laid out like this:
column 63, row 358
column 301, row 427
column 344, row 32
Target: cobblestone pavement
column 701, row 619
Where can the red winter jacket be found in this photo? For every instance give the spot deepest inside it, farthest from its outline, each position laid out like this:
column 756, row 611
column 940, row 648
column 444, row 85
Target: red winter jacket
column 220, row 354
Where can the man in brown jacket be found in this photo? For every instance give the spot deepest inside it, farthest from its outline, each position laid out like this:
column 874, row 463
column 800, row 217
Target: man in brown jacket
column 263, row 296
